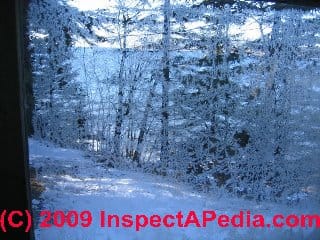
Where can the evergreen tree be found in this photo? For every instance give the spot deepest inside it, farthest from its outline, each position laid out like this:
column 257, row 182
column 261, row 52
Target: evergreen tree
column 59, row 103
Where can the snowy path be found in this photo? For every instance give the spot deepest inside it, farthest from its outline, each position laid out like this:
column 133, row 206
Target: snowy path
column 75, row 182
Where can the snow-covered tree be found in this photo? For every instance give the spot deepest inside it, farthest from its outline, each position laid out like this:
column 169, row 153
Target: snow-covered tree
column 59, row 114
column 164, row 154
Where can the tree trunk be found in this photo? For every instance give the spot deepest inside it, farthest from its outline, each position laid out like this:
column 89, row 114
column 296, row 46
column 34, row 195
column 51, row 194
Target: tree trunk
column 119, row 112
column 164, row 154
column 143, row 128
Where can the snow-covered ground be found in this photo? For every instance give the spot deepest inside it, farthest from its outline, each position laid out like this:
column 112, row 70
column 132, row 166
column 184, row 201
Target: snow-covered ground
column 75, row 181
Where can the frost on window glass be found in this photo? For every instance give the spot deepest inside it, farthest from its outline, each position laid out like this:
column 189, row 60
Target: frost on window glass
column 223, row 97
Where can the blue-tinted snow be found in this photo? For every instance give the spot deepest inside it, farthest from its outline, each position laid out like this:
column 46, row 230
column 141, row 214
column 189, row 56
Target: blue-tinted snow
column 75, row 181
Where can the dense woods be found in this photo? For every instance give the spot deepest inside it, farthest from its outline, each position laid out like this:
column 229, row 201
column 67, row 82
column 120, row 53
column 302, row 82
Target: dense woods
column 221, row 94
